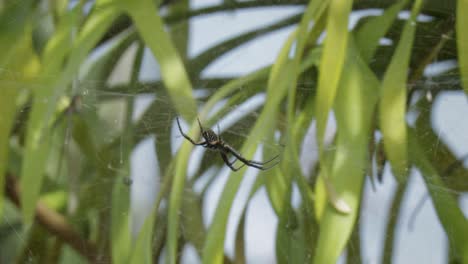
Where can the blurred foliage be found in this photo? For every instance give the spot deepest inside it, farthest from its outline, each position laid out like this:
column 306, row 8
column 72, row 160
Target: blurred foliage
column 68, row 128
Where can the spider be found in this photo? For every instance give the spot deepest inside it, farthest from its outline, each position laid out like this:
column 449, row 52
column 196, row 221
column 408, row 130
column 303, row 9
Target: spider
column 213, row 141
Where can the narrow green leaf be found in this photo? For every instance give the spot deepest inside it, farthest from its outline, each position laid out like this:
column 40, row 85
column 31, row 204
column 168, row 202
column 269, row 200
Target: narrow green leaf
column 231, row 87
column 368, row 36
column 214, row 245
column 354, row 247
column 11, row 33
column 69, row 255
column 194, row 230
column 82, row 134
column 120, row 218
column 180, row 32
column 101, row 66
column 142, row 246
column 448, row 211
column 151, row 28
column 284, row 75
column 240, row 236
column 280, row 79
column 8, row 110
column 60, row 43
column 440, row 155
column 89, row 128
column 320, row 192
column 213, row 251
column 46, row 97
column 184, row 152
column 331, row 64
column 354, row 108
column 175, row 197
column 315, row 13
column 277, row 88
column 16, row 56
column 37, row 139
column 392, row 223
column 296, row 232
column 392, row 108
column 33, row 166
column 462, row 41
column 290, row 240
column 120, row 221
column 91, row 32
column 240, row 241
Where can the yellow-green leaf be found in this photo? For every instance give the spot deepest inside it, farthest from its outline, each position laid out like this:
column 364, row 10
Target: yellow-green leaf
column 151, row 28
column 354, row 108
column 46, row 97
column 462, row 41
column 11, row 33
column 17, row 57
column 142, row 246
column 213, row 251
column 8, row 110
column 367, row 37
column 331, row 64
column 392, row 108
column 120, row 221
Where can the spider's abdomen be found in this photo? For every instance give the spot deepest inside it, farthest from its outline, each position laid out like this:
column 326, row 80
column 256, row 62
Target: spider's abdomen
column 210, row 137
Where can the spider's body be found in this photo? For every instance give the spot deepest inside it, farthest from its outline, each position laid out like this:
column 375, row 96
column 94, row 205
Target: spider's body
column 213, row 141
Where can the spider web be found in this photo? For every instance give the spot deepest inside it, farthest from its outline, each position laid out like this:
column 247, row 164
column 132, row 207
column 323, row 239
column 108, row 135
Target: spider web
column 261, row 221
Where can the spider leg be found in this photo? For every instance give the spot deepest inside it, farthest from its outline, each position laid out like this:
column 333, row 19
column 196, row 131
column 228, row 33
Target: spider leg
column 260, row 167
column 187, row 137
column 265, row 162
column 226, row 152
column 230, row 164
column 251, row 163
column 199, row 124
